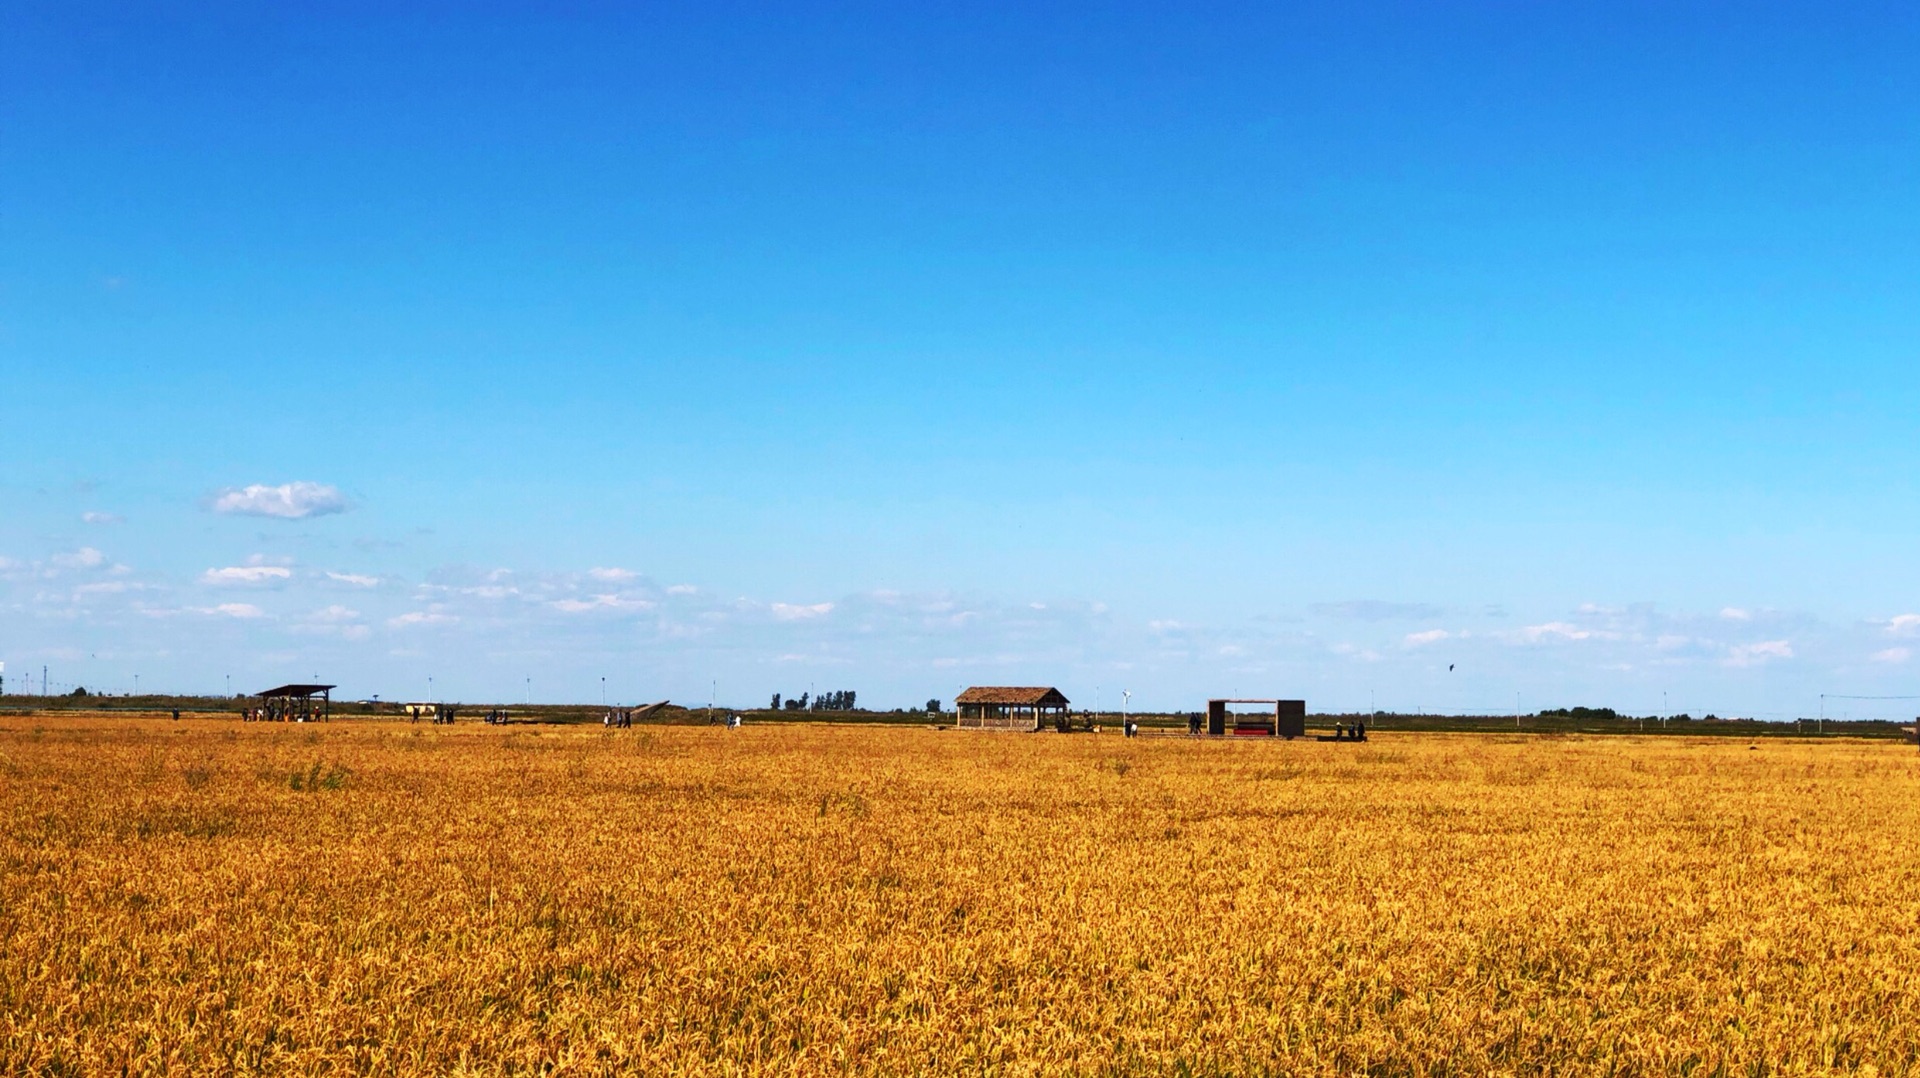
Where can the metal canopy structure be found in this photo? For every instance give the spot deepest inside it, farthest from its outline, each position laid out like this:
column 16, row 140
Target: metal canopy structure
column 1289, row 719
column 294, row 703
column 1009, row 707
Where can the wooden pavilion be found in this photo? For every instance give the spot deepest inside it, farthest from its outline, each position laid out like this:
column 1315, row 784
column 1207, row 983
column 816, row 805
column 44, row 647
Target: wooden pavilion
column 295, row 703
column 1010, row 707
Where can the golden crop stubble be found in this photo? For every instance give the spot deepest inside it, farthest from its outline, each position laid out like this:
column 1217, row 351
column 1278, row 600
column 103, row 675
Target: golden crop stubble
column 796, row 899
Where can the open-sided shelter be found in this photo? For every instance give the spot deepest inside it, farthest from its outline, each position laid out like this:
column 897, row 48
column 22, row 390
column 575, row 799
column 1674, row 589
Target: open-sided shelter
column 1009, row 707
column 1289, row 719
column 295, row 703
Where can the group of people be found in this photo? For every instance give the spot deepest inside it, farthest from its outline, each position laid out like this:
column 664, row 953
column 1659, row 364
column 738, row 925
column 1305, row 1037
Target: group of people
column 495, row 717
column 278, row 711
column 1355, row 731
column 617, row 719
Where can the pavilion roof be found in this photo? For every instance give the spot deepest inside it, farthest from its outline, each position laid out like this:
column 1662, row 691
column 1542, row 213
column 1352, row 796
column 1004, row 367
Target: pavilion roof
column 1016, row 695
column 296, row 690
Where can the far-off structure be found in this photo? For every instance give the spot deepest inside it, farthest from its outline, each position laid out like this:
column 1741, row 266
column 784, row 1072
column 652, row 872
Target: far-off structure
column 1289, row 719
column 1010, row 707
column 293, row 703
column 438, row 714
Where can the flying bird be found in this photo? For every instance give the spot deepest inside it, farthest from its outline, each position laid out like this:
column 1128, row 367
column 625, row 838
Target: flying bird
column 1449, row 668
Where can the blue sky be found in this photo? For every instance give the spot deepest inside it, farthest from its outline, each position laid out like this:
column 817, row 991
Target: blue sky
column 1264, row 349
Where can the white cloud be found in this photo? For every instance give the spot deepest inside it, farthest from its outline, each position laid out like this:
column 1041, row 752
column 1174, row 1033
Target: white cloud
column 1892, row 655
column 1757, row 654
column 84, row 558
column 612, row 575
column 1554, row 630
column 683, row 589
column 1905, row 625
column 1430, row 636
column 288, row 501
column 244, row 575
column 790, row 612
column 1734, row 613
column 421, row 617
column 601, row 602
column 358, row 580
column 103, row 518
column 335, row 620
column 231, row 610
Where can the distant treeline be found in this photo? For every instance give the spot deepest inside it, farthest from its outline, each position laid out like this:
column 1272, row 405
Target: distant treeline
column 842, row 700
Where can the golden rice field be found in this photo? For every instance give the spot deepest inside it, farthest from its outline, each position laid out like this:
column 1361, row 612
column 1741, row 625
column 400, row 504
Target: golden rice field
column 208, row 897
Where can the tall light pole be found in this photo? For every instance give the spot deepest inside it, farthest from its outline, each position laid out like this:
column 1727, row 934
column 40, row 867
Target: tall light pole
column 603, row 690
column 430, row 696
column 136, row 684
column 1125, row 698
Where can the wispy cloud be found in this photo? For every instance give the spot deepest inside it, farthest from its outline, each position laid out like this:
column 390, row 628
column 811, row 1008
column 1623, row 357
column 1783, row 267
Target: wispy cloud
column 232, row 610
column 791, row 612
column 1904, row 625
column 612, row 575
column 288, row 501
column 1757, row 654
column 1429, row 636
column 415, row 618
column 245, row 575
column 1557, row 630
column 601, row 602
column 84, row 558
column 1892, row 655
column 102, row 518
column 358, row 580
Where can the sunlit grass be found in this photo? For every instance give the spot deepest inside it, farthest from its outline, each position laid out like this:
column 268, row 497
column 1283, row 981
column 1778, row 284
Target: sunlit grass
column 207, row 896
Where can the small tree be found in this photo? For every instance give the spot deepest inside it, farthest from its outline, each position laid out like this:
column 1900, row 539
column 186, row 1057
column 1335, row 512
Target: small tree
column 776, row 702
column 933, row 706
